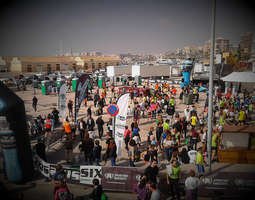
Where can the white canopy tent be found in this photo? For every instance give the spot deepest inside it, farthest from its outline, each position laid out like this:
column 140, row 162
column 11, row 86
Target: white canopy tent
column 240, row 77
column 240, row 80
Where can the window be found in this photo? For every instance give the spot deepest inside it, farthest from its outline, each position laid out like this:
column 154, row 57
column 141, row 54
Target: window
column 29, row 68
column 93, row 65
column 117, row 64
column 85, row 66
column 48, row 67
column 74, row 66
column 99, row 65
column 106, row 64
column 57, row 67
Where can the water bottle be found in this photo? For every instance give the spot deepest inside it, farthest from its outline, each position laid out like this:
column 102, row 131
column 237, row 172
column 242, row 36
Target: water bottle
column 8, row 144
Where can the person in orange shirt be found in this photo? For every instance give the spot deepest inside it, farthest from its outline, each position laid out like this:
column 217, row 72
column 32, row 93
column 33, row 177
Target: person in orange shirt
column 85, row 101
column 67, row 127
column 174, row 91
column 156, row 87
column 102, row 95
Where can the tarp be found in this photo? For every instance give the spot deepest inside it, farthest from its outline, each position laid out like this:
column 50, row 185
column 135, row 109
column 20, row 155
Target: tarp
column 241, row 77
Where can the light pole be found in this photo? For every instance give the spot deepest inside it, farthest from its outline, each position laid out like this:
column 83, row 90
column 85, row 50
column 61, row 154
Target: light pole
column 210, row 107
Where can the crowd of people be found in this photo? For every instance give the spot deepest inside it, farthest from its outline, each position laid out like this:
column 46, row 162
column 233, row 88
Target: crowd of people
column 176, row 137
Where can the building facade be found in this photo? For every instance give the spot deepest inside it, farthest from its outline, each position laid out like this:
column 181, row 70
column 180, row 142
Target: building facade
column 246, row 46
column 58, row 63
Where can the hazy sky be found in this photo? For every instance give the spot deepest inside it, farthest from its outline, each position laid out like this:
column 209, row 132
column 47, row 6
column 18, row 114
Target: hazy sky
column 37, row 27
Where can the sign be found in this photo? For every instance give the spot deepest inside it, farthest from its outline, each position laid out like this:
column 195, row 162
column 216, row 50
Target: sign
column 48, row 169
column 120, row 121
column 112, row 110
column 135, row 70
column 80, row 92
column 218, row 59
column 88, row 173
column 120, row 178
column 62, row 101
column 110, row 71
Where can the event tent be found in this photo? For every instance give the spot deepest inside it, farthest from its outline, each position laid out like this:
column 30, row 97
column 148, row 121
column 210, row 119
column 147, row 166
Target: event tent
column 241, row 77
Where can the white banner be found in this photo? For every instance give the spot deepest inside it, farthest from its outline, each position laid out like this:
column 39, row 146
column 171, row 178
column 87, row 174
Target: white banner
column 120, row 121
column 110, row 71
column 136, row 70
column 218, row 59
column 90, row 172
column 62, row 101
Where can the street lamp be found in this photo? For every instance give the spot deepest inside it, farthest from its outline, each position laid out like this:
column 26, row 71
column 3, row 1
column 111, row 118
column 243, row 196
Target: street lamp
column 210, row 106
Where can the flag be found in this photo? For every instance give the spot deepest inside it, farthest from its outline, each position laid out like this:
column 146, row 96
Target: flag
column 120, row 121
column 80, row 92
column 62, row 101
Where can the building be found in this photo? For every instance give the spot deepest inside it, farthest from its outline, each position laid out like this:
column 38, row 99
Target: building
column 58, row 63
column 221, row 46
column 206, row 49
column 246, row 46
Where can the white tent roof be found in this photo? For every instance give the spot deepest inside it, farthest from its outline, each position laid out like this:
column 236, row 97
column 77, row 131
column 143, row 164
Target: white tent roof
column 241, row 77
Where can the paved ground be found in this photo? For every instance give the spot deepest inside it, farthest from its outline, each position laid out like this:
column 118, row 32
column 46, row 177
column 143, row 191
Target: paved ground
column 39, row 189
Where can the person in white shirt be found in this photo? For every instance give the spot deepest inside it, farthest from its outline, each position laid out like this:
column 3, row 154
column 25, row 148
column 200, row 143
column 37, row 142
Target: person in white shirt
column 92, row 135
column 192, row 156
column 191, row 186
column 187, row 113
column 155, row 193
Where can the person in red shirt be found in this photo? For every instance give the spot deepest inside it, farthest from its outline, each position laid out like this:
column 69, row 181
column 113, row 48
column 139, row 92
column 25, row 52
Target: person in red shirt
column 127, row 136
column 174, row 91
column 228, row 95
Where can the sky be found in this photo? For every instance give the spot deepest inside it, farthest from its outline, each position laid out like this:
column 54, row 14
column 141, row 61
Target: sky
column 42, row 27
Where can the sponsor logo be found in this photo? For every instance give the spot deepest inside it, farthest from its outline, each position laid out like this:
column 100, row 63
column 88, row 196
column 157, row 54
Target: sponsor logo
column 121, row 118
column 116, row 177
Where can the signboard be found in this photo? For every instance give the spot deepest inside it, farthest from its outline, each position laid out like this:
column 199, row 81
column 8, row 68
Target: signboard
column 218, row 59
column 198, row 68
column 120, row 122
column 110, row 71
column 62, row 101
column 120, row 178
column 124, row 178
column 88, row 173
column 135, row 70
column 48, row 169
column 112, row 110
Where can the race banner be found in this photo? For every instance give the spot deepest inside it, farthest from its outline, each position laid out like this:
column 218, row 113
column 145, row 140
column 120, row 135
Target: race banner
column 62, row 101
column 80, row 92
column 120, row 121
column 48, row 170
column 121, row 178
column 88, row 173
